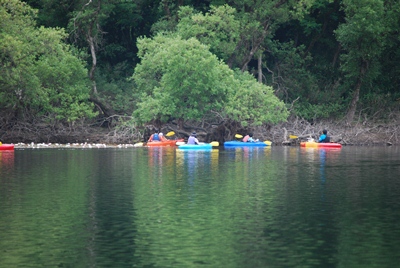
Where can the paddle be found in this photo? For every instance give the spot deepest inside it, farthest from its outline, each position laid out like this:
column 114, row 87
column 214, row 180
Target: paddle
column 169, row 134
column 292, row 137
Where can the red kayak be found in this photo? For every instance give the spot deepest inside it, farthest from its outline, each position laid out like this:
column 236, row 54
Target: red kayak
column 312, row 144
column 164, row 143
column 6, row 147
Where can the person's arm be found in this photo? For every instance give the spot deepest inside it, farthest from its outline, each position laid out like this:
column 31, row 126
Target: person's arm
column 151, row 138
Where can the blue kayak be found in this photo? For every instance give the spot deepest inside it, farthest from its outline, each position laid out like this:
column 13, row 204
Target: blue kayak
column 244, row 144
column 200, row 146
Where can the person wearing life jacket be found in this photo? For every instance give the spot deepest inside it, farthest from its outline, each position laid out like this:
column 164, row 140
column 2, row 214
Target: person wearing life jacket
column 193, row 139
column 324, row 138
column 154, row 137
column 249, row 138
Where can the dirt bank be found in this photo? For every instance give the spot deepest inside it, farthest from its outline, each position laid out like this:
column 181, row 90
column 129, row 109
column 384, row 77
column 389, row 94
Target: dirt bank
column 362, row 133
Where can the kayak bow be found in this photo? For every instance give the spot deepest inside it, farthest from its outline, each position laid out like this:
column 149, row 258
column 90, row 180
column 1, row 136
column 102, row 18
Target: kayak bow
column 200, row 146
column 6, row 147
column 312, row 144
column 244, row 144
column 164, row 143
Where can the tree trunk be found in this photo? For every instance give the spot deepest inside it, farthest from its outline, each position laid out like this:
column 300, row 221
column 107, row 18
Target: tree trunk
column 356, row 96
column 92, row 39
column 166, row 9
column 255, row 48
column 260, row 68
column 92, row 46
column 232, row 58
column 353, row 105
column 336, row 56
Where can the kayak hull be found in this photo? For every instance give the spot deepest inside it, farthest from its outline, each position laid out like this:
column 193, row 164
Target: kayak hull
column 320, row 145
column 6, row 147
column 195, row 146
column 164, row 143
column 244, row 144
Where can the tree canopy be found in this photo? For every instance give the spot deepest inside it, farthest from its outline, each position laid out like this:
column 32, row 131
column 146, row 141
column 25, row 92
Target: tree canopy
column 64, row 60
column 40, row 74
column 182, row 79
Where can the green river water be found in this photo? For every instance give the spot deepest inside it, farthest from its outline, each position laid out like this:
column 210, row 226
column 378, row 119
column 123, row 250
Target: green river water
column 162, row 207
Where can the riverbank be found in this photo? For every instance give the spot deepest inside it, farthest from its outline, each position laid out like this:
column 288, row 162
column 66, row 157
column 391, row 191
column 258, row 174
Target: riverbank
column 363, row 133
column 290, row 133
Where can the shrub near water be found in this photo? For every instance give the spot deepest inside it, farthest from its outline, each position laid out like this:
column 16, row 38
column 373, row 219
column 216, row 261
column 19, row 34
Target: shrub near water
column 183, row 79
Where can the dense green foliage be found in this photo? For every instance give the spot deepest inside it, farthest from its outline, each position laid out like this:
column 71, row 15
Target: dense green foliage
column 363, row 41
column 182, row 79
column 219, row 29
column 323, row 58
column 179, row 78
column 41, row 76
column 253, row 103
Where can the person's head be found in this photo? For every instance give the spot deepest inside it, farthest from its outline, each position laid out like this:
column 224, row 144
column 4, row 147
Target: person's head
column 251, row 134
column 194, row 134
column 161, row 134
column 325, row 131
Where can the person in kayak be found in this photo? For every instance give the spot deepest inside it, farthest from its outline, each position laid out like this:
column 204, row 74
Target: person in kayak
column 324, row 138
column 154, row 137
column 193, row 139
column 249, row 138
column 162, row 137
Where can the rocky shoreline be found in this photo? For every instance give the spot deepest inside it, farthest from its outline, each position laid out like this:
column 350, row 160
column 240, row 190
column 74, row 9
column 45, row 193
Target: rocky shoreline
column 33, row 145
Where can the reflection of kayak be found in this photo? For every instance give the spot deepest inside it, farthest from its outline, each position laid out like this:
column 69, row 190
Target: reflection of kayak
column 200, row 146
column 5, row 147
column 309, row 144
column 164, row 143
column 244, row 144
